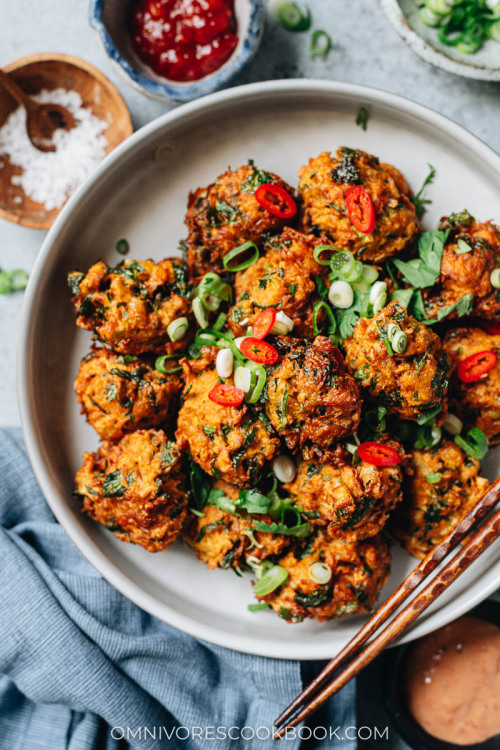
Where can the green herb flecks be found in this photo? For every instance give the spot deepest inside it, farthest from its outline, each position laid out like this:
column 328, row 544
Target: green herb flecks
column 419, row 201
column 112, row 485
column 362, row 118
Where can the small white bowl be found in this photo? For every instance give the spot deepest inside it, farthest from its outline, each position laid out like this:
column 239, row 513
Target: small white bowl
column 110, row 19
column 484, row 65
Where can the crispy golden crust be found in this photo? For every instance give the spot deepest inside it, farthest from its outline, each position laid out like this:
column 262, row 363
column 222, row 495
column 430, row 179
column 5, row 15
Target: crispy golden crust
column 430, row 511
column 226, row 214
column 118, row 396
column 323, row 187
column 477, row 404
column 353, row 501
column 224, row 540
column 408, row 384
column 129, row 307
column 136, row 489
column 282, row 278
column 359, row 572
column 227, row 442
column 311, row 396
column 468, row 272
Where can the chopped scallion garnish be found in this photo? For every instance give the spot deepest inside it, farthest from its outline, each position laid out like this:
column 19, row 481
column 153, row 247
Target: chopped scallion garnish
column 320, row 44
column 293, row 18
column 241, row 250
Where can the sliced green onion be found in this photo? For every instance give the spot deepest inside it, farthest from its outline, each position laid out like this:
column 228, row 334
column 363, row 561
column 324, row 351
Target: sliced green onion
column 436, row 434
column 453, row 424
column 5, row 285
column 212, row 291
column 321, row 44
column 254, row 543
column 178, row 329
column 341, row 295
column 224, row 363
column 219, row 323
column 462, row 247
column 441, row 7
column 427, row 16
column 495, row 278
column 361, row 286
column 475, row 443
column 255, row 394
column 380, row 302
column 274, row 577
column 369, row 275
column 320, row 249
column 355, row 274
column 332, row 322
column 320, row 572
column 13, row 281
column 236, row 252
column 199, row 312
column 433, row 477
column 204, row 338
column 494, row 31
column 244, row 378
column 342, row 264
column 122, row 247
column 399, row 341
column 258, row 607
column 293, row 18
column 378, row 296
column 160, row 364
column 469, row 45
column 427, row 436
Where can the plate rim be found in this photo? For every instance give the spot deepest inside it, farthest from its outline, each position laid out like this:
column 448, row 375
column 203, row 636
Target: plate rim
column 246, row 643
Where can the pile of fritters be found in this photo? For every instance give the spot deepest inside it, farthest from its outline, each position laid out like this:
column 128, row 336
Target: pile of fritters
column 173, row 463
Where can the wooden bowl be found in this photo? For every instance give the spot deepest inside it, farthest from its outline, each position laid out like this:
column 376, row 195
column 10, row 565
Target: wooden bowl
column 52, row 71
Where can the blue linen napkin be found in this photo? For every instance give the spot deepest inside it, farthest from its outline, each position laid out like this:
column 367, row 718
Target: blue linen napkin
column 81, row 667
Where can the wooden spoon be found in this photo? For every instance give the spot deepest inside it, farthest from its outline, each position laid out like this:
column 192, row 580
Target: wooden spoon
column 42, row 120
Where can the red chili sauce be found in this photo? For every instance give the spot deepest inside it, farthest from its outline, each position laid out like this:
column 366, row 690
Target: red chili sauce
column 184, row 40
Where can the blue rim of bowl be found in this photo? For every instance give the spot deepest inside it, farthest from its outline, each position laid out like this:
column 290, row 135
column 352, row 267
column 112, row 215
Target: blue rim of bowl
column 182, row 92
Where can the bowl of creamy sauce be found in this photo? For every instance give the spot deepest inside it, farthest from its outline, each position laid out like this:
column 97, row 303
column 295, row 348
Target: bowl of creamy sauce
column 445, row 688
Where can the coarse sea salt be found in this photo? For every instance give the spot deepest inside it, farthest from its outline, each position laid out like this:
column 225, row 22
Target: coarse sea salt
column 51, row 177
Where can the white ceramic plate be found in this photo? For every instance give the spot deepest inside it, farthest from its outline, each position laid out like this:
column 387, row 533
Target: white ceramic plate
column 484, row 65
column 280, row 125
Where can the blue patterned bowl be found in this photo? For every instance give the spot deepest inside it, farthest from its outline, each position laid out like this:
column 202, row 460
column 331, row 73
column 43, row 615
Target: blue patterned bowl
column 110, row 19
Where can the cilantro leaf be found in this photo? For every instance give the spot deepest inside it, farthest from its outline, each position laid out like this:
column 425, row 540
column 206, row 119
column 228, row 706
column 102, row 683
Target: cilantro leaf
column 418, row 307
column 220, row 500
column 253, row 501
column 424, row 271
column 403, row 296
column 198, row 487
column 299, row 530
column 418, row 200
column 463, row 307
column 348, row 318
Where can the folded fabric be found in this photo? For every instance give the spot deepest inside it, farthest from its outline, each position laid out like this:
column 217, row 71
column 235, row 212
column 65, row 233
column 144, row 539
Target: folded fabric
column 81, row 667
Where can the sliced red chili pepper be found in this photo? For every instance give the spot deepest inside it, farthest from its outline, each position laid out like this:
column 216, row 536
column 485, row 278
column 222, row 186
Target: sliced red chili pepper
column 276, row 200
column 490, row 326
column 378, row 454
column 226, row 395
column 258, row 351
column 263, row 323
column 361, row 209
column 476, row 367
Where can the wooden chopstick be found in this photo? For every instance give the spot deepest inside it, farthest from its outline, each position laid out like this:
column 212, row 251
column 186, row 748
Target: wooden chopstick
column 409, row 585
